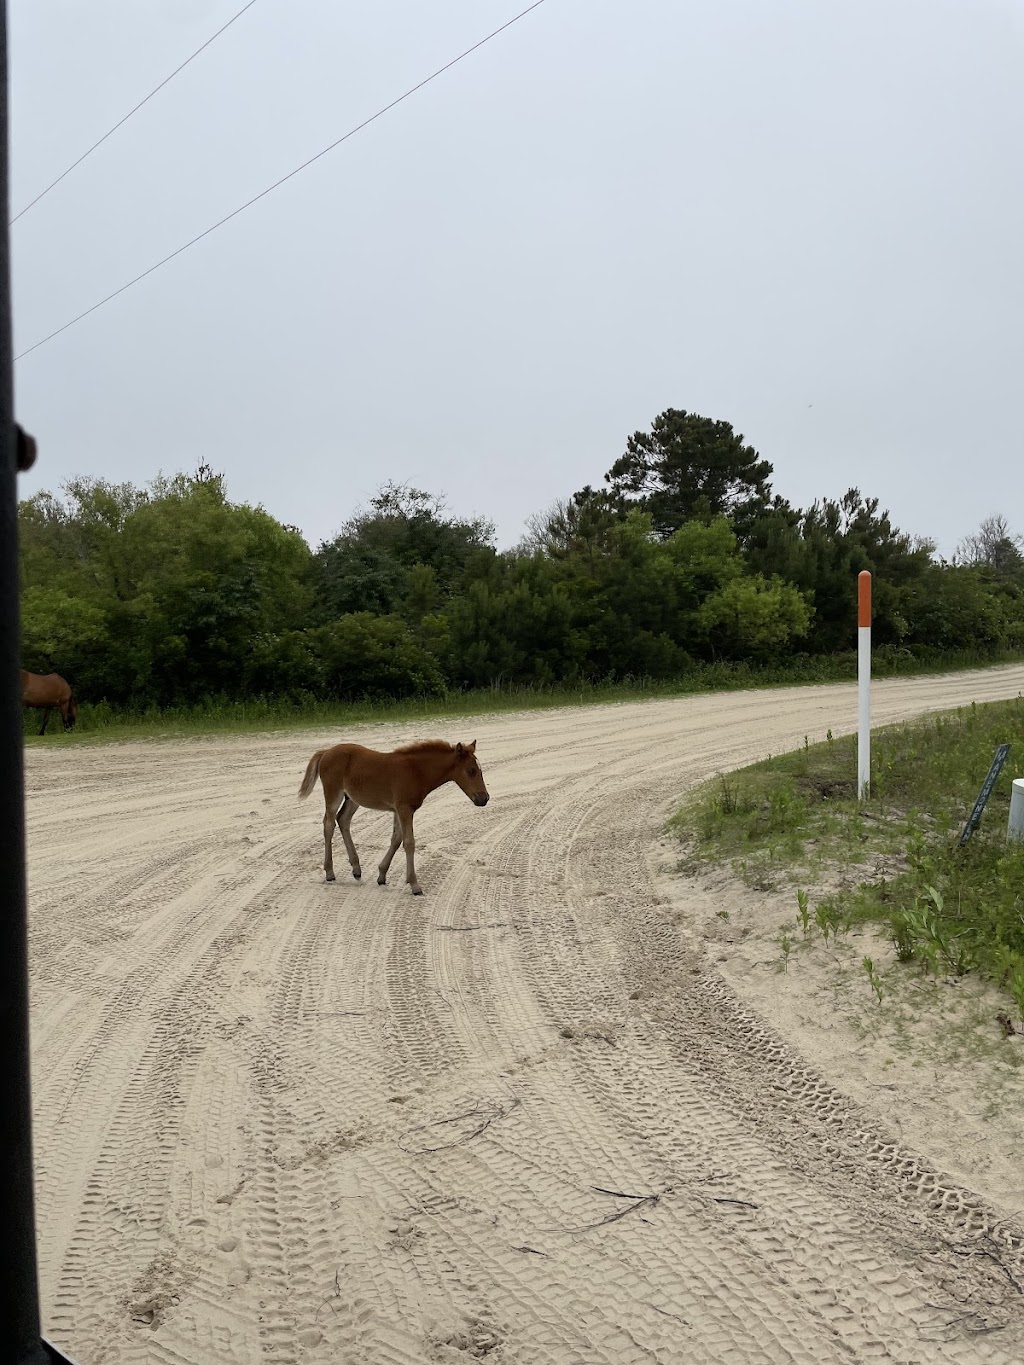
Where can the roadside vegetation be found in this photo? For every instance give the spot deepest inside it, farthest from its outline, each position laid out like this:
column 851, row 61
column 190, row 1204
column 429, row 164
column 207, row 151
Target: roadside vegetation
column 171, row 608
column 894, row 862
column 101, row 722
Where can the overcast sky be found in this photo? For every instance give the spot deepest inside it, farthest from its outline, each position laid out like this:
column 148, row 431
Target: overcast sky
column 803, row 216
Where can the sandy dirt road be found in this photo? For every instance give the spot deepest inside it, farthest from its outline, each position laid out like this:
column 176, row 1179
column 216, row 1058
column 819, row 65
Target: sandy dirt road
column 519, row 1118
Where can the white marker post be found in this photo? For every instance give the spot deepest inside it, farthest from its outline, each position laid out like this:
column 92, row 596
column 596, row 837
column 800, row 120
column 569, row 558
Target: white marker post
column 864, row 684
column 1015, row 831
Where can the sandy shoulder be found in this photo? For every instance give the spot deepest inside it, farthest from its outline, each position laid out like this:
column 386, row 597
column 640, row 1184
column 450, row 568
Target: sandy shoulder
column 929, row 1060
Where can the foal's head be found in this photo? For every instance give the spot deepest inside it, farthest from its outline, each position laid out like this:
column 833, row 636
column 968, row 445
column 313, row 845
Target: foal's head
column 468, row 774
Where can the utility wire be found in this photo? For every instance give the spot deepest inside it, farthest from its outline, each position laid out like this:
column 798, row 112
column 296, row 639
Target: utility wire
column 284, row 178
column 130, row 112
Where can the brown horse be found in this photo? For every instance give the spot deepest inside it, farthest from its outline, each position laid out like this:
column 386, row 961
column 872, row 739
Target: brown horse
column 46, row 691
column 400, row 782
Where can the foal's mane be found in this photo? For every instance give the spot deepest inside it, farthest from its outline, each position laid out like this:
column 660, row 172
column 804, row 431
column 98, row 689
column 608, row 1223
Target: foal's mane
column 427, row 746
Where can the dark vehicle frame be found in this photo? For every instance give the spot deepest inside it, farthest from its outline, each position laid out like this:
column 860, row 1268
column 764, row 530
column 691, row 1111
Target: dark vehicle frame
column 21, row 1341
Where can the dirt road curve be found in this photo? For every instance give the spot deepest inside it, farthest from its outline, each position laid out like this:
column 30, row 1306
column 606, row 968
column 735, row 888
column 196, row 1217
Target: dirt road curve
column 519, row 1118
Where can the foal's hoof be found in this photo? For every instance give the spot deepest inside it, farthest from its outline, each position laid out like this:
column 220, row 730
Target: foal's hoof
column 329, row 876
column 382, row 880
column 357, row 872
column 416, row 890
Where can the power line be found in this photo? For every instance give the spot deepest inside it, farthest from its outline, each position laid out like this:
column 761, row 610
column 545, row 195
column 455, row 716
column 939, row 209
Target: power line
column 284, row 178
column 130, row 112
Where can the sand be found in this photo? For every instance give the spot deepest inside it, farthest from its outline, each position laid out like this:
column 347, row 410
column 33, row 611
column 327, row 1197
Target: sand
column 529, row 1116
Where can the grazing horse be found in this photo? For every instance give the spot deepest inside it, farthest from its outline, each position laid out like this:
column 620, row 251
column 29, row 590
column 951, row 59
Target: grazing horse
column 399, row 782
column 46, row 691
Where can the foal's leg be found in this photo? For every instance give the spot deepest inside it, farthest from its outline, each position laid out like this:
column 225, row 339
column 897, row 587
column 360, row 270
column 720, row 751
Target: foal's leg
column 396, row 839
column 348, row 809
column 46, row 717
column 333, row 805
column 405, row 815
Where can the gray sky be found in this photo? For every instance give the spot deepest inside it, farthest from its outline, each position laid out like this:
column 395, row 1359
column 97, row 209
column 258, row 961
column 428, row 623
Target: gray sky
column 805, row 217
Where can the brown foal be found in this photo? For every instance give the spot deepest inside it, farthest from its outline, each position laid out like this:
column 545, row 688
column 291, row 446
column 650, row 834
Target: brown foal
column 399, row 782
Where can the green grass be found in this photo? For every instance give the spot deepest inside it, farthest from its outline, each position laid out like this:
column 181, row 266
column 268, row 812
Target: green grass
column 104, row 723
column 947, row 910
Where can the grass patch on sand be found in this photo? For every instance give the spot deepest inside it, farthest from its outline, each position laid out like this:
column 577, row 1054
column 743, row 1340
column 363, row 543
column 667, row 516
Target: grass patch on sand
column 947, row 911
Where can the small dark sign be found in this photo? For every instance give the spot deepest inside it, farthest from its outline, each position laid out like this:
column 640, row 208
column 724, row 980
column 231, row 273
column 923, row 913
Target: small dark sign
column 974, row 819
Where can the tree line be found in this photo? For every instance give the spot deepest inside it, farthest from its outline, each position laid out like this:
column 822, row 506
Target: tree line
column 172, row 594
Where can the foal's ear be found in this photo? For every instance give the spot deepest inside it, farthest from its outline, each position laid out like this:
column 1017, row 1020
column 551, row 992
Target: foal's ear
column 459, row 750
column 472, row 748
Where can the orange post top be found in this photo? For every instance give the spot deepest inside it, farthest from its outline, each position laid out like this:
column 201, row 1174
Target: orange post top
column 864, row 598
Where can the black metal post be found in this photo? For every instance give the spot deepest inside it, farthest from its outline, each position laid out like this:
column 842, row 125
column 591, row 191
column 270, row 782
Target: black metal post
column 19, row 1286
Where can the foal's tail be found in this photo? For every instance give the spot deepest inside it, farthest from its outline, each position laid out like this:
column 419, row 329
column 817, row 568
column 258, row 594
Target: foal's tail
column 312, row 773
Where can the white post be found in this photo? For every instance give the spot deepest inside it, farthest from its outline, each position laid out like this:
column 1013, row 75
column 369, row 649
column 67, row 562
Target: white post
column 1015, row 831
column 864, row 684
